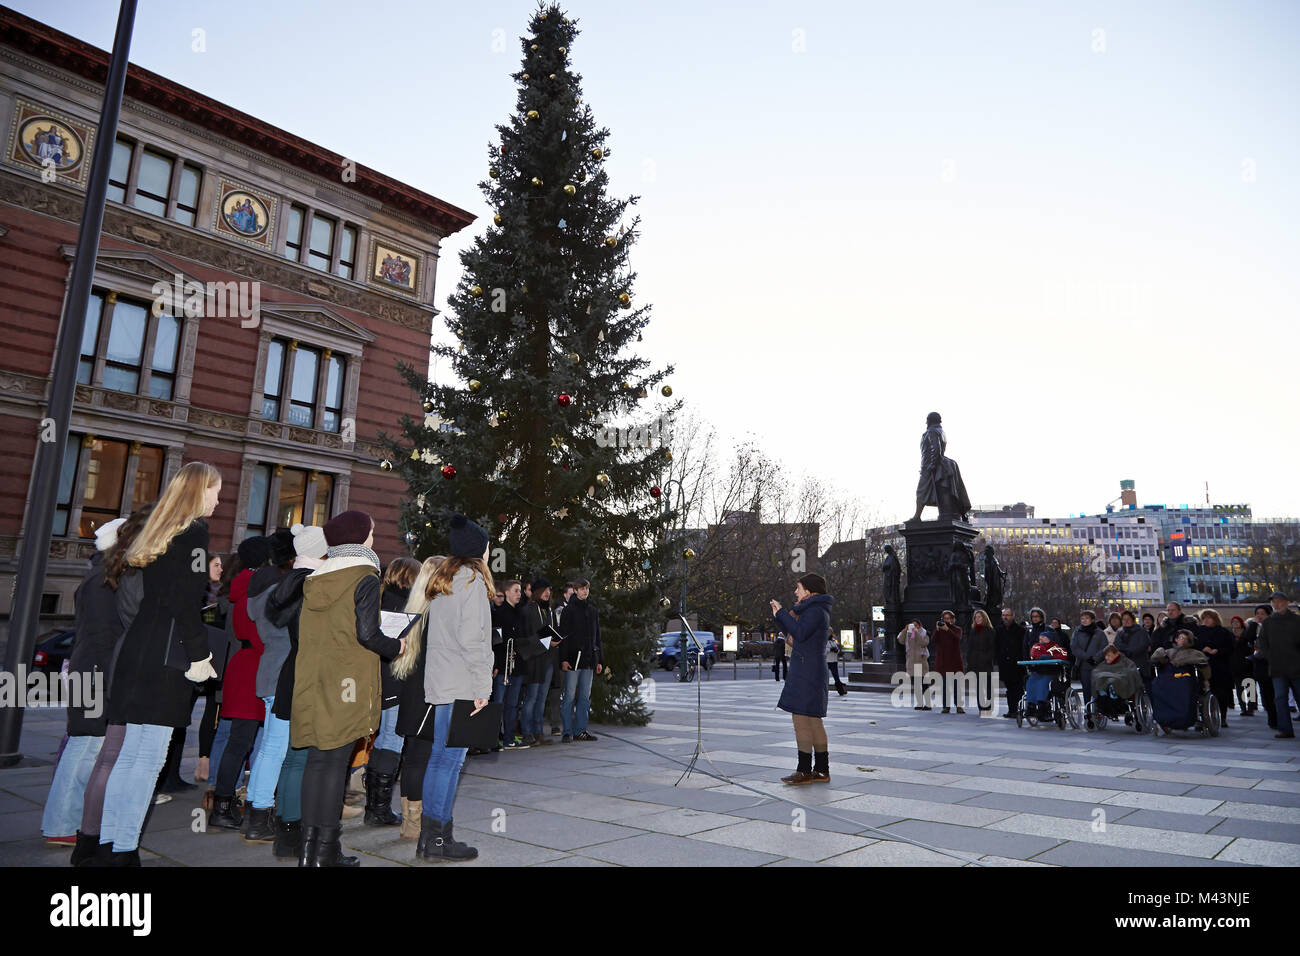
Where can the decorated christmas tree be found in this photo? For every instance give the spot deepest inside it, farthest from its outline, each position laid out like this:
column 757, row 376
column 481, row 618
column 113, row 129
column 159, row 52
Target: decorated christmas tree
column 549, row 430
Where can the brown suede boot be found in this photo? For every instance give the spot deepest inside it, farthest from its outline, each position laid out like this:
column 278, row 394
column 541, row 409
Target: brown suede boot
column 410, row 829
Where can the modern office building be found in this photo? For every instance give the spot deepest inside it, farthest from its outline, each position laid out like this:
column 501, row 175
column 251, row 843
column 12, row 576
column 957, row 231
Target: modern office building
column 253, row 294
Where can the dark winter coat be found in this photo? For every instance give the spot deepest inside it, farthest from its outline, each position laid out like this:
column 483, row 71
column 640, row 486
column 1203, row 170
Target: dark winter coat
column 1164, row 634
column 98, row 631
column 1011, row 646
column 535, row 620
column 981, row 649
column 580, row 628
column 275, row 640
column 145, row 689
column 1220, row 639
column 239, row 684
column 1242, row 650
column 412, row 709
column 390, row 689
column 507, row 623
column 283, row 607
column 1134, row 642
column 805, row 690
column 1279, row 642
column 1085, row 648
column 946, row 643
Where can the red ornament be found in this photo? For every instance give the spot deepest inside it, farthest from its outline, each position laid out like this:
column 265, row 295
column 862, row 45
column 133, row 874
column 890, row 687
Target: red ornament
column 449, row 472
column 501, row 518
column 565, row 467
column 656, row 491
column 564, row 399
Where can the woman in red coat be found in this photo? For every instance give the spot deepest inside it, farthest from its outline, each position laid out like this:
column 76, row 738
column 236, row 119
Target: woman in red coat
column 946, row 640
column 239, row 701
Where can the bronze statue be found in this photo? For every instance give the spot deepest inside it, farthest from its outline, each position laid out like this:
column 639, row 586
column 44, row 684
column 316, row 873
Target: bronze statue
column 940, row 483
column 994, row 579
column 893, row 573
column 961, row 574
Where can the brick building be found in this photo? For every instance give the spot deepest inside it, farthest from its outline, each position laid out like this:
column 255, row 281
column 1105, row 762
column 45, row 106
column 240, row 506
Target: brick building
column 303, row 281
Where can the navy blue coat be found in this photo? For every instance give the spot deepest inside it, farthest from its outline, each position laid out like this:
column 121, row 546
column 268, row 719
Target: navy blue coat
column 805, row 688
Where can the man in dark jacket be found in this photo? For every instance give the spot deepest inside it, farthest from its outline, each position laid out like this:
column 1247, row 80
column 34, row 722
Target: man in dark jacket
column 1279, row 642
column 780, row 663
column 1173, row 623
column 1259, row 664
column 537, row 633
column 507, row 619
column 1086, row 645
column 580, row 657
column 1134, row 643
column 1011, row 648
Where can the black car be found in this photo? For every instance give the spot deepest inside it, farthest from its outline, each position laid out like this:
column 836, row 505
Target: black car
column 52, row 650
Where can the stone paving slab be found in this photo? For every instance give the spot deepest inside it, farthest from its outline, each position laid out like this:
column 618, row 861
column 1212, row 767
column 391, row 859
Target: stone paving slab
column 973, row 840
column 662, row 849
column 1115, row 835
column 1259, row 830
column 1087, row 854
column 783, row 840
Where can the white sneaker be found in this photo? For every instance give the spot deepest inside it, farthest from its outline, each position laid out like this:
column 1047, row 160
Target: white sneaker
column 160, row 798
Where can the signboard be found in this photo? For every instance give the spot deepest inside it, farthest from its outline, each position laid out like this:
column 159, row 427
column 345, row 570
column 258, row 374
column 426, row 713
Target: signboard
column 1177, row 547
column 846, row 639
column 877, row 613
column 730, row 639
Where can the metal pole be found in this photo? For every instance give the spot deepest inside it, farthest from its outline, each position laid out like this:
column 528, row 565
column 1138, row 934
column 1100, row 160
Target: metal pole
column 24, row 618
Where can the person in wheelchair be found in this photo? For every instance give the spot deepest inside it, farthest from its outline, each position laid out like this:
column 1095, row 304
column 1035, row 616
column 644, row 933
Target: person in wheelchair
column 1182, row 654
column 1040, row 685
column 1181, row 698
column 1115, row 678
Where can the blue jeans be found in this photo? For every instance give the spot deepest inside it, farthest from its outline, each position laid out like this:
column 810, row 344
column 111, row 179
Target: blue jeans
column 63, row 805
column 511, row 709
column 387, row 737
column 531, row 718
column 219, row 741
column 268, row 758
column 130, row 786
column 443, row 773
column 1282, row 688
column 576, row 701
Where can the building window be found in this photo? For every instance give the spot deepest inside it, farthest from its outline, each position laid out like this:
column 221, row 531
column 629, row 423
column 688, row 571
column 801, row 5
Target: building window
column 119, row 170
column 257, row 495
column 321, row 249
column 125, row 346
column 153, row 184
column 162, row 376
column 333, row 394
column 107, row 462
column 324, row 498
column 272, row 387
column 90, row 339
column 67, row 483
column 347, row 252
column 187, row 195
column 293, row 234
column 302, row 392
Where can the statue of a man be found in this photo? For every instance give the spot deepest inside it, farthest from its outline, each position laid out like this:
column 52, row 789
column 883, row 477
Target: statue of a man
column 893, row 573
column 994, row 579
column 961, row 574
column 940, row 483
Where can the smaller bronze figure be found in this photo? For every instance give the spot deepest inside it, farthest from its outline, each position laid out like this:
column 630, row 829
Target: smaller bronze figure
column 961, row 574
column 893, row 573
column 994, row 580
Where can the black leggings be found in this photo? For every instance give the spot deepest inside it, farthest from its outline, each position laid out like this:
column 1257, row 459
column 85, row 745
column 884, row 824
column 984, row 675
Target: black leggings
column 415, row 760
column 211, row 713
column 324, row 781
column 243, row 731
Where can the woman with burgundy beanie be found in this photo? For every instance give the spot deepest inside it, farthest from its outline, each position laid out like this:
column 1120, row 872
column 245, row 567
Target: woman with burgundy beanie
column 336, row 690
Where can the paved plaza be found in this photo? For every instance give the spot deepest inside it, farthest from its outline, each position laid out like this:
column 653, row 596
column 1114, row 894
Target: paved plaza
column 981, row 789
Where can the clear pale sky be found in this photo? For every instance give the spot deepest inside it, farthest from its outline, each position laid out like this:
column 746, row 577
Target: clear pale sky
column 1080, row 247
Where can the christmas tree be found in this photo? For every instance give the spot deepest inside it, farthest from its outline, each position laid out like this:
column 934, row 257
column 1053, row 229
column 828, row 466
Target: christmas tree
column 549, row 431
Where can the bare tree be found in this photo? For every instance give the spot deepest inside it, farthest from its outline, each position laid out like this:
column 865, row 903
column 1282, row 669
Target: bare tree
column 1059, row 579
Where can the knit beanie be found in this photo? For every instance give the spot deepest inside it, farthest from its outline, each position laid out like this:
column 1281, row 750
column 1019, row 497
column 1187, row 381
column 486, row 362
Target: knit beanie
column 254, row 552
column 282, row 550
column 467, row 539
column 309, row 540
column 350, row 527
column 106, row 534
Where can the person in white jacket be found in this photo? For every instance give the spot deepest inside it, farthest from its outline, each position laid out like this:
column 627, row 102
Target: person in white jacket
column 458, row 666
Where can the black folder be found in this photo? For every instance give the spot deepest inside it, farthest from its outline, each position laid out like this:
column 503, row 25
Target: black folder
column 480, row 731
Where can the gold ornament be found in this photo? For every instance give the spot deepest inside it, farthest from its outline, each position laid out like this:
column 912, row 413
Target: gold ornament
column 428, row 407
column 597, row 153
column 497, row 219
column 688, row 554
column 552, row 76
column 563, row 50
column 564, row 20
column 665, row 603
column 624, row 300
column 385, row 465
column 537, row 180
column 534, row 48
column 575, row 358
column 494, row 172
column 533, row 114
column 666, row 391
column 476, row 290
column 570, row 189
column 602, row 479
column 626, row 386
column 503, row 415
column 475, row 385
column 542, row 16
column 668, row 455
column 525, row 77
column 611, row 241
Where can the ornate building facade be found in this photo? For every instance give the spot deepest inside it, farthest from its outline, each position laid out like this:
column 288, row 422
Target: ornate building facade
column 253, row 295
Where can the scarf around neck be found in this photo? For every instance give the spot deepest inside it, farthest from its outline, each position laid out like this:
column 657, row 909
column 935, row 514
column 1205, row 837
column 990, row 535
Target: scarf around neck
column 354, row 551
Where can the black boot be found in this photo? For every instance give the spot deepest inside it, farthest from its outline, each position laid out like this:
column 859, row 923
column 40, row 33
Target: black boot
column 224, row 815
column 84, row 852
column 310, row 845
column 441, row 845
column 169, row 780
column 379, row 799
column 288, row 839
column 261, row 828
column 822, row 766
column 124, row 858
column 329, row 851
column 429, row 828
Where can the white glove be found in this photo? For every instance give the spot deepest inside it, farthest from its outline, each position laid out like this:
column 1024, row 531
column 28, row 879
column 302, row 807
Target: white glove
column 201, row 670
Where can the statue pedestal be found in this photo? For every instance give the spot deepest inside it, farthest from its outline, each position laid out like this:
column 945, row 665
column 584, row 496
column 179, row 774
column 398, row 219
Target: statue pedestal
column 929, row 592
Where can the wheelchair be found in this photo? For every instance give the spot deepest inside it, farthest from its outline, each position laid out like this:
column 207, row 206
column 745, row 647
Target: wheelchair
column 1181, row 700
column 1047, row 694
